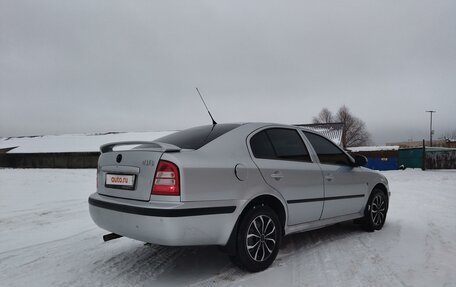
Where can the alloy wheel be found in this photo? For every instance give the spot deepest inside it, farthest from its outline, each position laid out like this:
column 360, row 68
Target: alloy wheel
column 378, row 209
column 261, row 238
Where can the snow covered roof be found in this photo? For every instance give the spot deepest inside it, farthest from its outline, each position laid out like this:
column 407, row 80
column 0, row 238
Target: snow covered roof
column 73, row 142
column 333, row 131
column 373, row 148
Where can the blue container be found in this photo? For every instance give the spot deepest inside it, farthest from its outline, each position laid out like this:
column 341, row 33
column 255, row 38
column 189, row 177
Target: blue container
column 382, row 163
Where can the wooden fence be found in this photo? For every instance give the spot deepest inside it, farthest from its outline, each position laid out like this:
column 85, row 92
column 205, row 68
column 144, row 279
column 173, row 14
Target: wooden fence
column 440, row 159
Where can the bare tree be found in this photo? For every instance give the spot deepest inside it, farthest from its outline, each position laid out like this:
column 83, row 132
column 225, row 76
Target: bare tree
column 325, row 116
column 355, row 132
column 449, row 135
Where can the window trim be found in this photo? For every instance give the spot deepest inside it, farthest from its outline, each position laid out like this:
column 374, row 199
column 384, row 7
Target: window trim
column 311, row 152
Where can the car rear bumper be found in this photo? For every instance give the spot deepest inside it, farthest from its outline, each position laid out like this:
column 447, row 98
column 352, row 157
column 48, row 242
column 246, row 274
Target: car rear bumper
column 165, row 223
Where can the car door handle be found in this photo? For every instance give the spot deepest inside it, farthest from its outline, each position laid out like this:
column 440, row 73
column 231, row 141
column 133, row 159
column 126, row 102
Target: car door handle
column 277, row 175
column 329, row 177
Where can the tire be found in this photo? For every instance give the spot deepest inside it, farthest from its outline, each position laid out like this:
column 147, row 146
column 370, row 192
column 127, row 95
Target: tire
column 375, row 211
column 258, row 239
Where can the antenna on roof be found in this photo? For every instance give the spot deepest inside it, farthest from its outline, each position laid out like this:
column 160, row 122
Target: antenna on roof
column 213, row 121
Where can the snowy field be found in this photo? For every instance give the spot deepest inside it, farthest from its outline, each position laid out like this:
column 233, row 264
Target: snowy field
column 48, row 239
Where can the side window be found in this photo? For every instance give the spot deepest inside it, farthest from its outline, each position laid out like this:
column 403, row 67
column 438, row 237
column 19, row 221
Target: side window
column 261, row 146
column 327, row 152
column 277, row 143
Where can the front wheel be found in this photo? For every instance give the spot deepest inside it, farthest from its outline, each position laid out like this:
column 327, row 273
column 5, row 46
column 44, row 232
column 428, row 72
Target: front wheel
column 375, row 212
column 258, row 239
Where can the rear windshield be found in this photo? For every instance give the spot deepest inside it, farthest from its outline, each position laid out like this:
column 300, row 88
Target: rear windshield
column 197, row 137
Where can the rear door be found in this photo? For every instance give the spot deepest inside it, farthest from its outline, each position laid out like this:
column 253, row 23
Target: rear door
column 345, row 186
column 286, row 166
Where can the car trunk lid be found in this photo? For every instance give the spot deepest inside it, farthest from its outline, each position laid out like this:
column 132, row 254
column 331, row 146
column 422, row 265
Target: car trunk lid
column 129, row 173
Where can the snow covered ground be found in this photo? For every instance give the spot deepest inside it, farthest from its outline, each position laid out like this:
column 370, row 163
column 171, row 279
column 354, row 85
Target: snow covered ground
column 48, row 239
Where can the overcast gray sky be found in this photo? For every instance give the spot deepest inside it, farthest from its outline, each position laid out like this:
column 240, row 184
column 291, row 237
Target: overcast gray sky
column 94, row 66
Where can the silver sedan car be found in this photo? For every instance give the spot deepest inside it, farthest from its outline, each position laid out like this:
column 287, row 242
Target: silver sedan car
column 241, row 186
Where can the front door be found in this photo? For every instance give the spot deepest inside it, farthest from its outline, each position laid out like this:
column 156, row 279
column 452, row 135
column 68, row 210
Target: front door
column 345, row 186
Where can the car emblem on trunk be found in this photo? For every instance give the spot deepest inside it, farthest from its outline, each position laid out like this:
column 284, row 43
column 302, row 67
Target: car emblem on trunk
column 119, row 158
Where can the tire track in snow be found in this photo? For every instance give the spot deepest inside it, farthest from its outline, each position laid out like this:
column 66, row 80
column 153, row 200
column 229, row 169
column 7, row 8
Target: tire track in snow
column 95, row 263
column 311, row 261
column 42, row 244
column 378, row 260
column 336, row 256
column 135, row 267
column 229, row 274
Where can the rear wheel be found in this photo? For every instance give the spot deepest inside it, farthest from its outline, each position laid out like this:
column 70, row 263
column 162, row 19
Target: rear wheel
column 375, row 212
column 258, row 239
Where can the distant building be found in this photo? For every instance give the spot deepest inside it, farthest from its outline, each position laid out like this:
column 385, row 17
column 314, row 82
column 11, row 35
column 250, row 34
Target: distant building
column 333, row 131
column 395, row 157
column 63, row 151
column 448, row 143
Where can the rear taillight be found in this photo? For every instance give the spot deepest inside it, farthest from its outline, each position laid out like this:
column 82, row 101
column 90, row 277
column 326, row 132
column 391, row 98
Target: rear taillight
column 166, row 180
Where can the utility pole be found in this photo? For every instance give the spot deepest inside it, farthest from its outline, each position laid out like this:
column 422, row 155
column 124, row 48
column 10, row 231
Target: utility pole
column 430, row 129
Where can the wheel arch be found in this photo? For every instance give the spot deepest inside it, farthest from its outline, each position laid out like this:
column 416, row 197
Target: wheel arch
column 273, row 202
column 267, row 199
column 381, row 187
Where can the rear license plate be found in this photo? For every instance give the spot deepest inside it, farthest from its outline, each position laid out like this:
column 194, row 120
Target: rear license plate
column 121, row 181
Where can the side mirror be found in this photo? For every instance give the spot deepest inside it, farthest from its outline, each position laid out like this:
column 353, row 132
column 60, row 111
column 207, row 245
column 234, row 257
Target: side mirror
column 360, row 160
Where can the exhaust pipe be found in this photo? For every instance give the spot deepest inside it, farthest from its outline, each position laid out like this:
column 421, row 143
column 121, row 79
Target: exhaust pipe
column 111, row 236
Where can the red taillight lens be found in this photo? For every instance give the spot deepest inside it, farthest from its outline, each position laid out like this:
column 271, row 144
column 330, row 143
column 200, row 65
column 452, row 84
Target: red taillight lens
column 166, row 180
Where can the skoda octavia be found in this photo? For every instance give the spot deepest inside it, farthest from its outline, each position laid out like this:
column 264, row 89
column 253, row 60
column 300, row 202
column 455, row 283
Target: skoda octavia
column 241, row 186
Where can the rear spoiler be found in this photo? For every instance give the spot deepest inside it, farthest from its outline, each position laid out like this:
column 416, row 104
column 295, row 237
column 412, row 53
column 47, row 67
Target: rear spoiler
column 164, row 147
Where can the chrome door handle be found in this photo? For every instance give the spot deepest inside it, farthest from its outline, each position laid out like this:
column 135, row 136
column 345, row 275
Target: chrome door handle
column 277, row 175
column 329, row 177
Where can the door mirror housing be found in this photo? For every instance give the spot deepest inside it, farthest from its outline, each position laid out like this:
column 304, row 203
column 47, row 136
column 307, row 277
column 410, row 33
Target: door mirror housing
column 360, row 160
